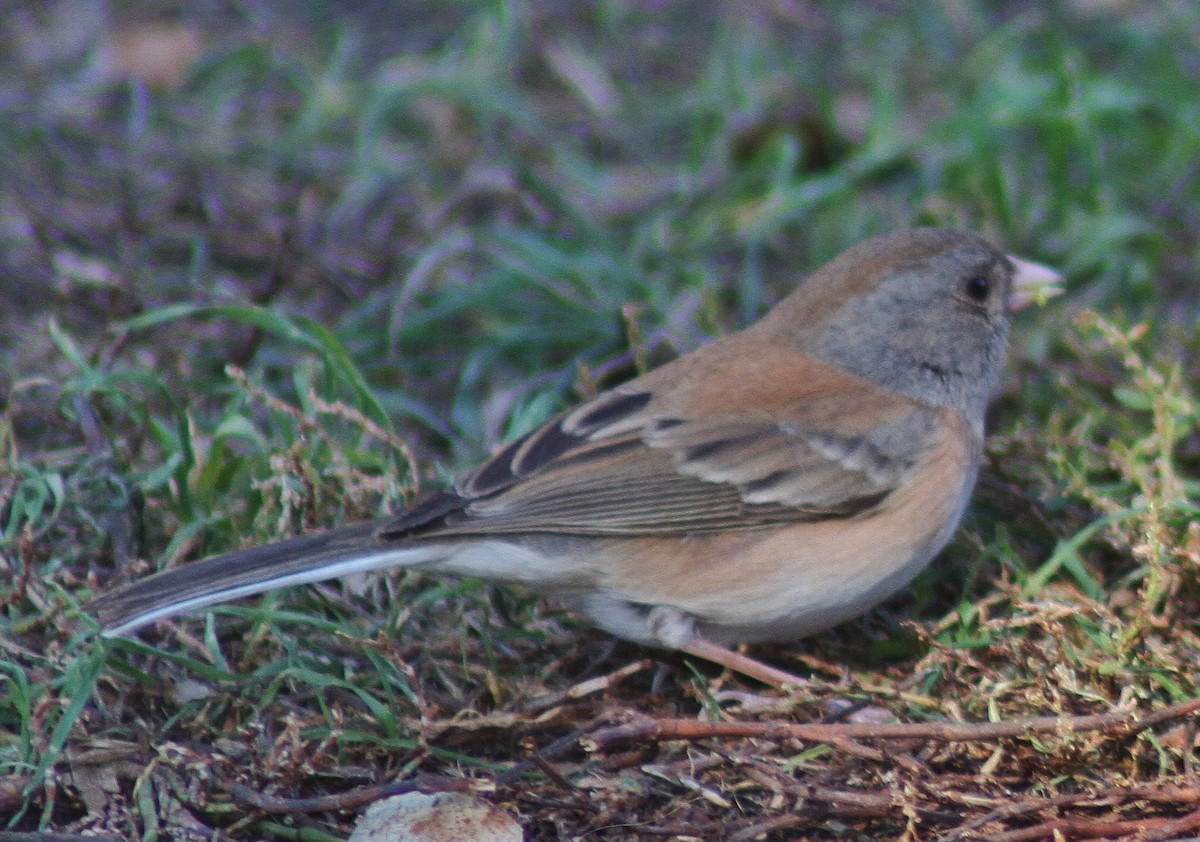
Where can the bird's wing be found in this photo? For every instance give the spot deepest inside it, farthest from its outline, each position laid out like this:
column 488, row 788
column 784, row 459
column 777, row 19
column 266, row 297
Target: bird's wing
column 632, row 463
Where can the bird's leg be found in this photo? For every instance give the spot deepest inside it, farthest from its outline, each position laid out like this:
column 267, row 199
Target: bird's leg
column 677, row 630
column 704, row 648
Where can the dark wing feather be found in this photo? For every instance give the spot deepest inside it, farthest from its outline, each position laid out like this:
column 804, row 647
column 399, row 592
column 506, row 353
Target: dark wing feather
column 610, row 467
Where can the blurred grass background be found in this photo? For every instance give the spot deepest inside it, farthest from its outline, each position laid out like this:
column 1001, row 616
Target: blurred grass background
column 266, row 267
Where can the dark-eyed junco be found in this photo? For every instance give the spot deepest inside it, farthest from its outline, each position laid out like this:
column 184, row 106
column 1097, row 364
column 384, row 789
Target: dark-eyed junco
column 766, row 486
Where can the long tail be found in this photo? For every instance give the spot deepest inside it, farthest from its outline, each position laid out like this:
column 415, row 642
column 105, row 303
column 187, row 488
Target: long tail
column 309, row 558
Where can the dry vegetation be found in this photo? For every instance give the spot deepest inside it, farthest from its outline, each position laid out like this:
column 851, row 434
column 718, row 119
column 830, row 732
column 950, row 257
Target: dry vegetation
column 266, row 267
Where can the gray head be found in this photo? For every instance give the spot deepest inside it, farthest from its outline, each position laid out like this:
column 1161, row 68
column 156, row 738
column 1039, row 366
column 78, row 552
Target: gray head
column 924, row 311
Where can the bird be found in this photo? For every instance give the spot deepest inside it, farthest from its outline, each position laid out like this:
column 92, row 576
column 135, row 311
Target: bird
column 766, row 486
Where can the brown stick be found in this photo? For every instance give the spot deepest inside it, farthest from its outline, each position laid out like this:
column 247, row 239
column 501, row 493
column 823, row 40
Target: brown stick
column 1162, row 794
column 350, row 800
column 1158, row 830
column 1173, row 827
column 1123, row 722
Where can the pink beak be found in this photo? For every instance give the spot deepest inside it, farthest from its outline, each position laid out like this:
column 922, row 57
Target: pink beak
column 1032, row 282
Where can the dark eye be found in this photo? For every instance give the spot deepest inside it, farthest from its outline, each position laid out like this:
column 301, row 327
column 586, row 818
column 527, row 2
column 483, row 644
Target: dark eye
column 978, row 287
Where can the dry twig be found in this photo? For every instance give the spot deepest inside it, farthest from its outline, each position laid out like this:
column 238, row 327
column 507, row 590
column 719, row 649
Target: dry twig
column 1121, row 723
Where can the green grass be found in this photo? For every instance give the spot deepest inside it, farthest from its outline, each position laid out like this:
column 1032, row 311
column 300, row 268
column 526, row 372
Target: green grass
column 348, row 254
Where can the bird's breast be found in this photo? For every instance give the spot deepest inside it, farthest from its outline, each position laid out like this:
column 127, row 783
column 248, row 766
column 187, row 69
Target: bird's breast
column 785, row 582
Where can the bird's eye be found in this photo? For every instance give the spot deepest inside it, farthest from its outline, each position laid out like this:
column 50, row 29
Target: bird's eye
column 978, row 287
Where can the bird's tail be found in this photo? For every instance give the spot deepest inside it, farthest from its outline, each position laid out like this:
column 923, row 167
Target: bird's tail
column 309, row 558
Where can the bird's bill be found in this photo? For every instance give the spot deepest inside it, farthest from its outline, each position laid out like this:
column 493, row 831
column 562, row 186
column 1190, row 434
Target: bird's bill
column 1032, row 283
